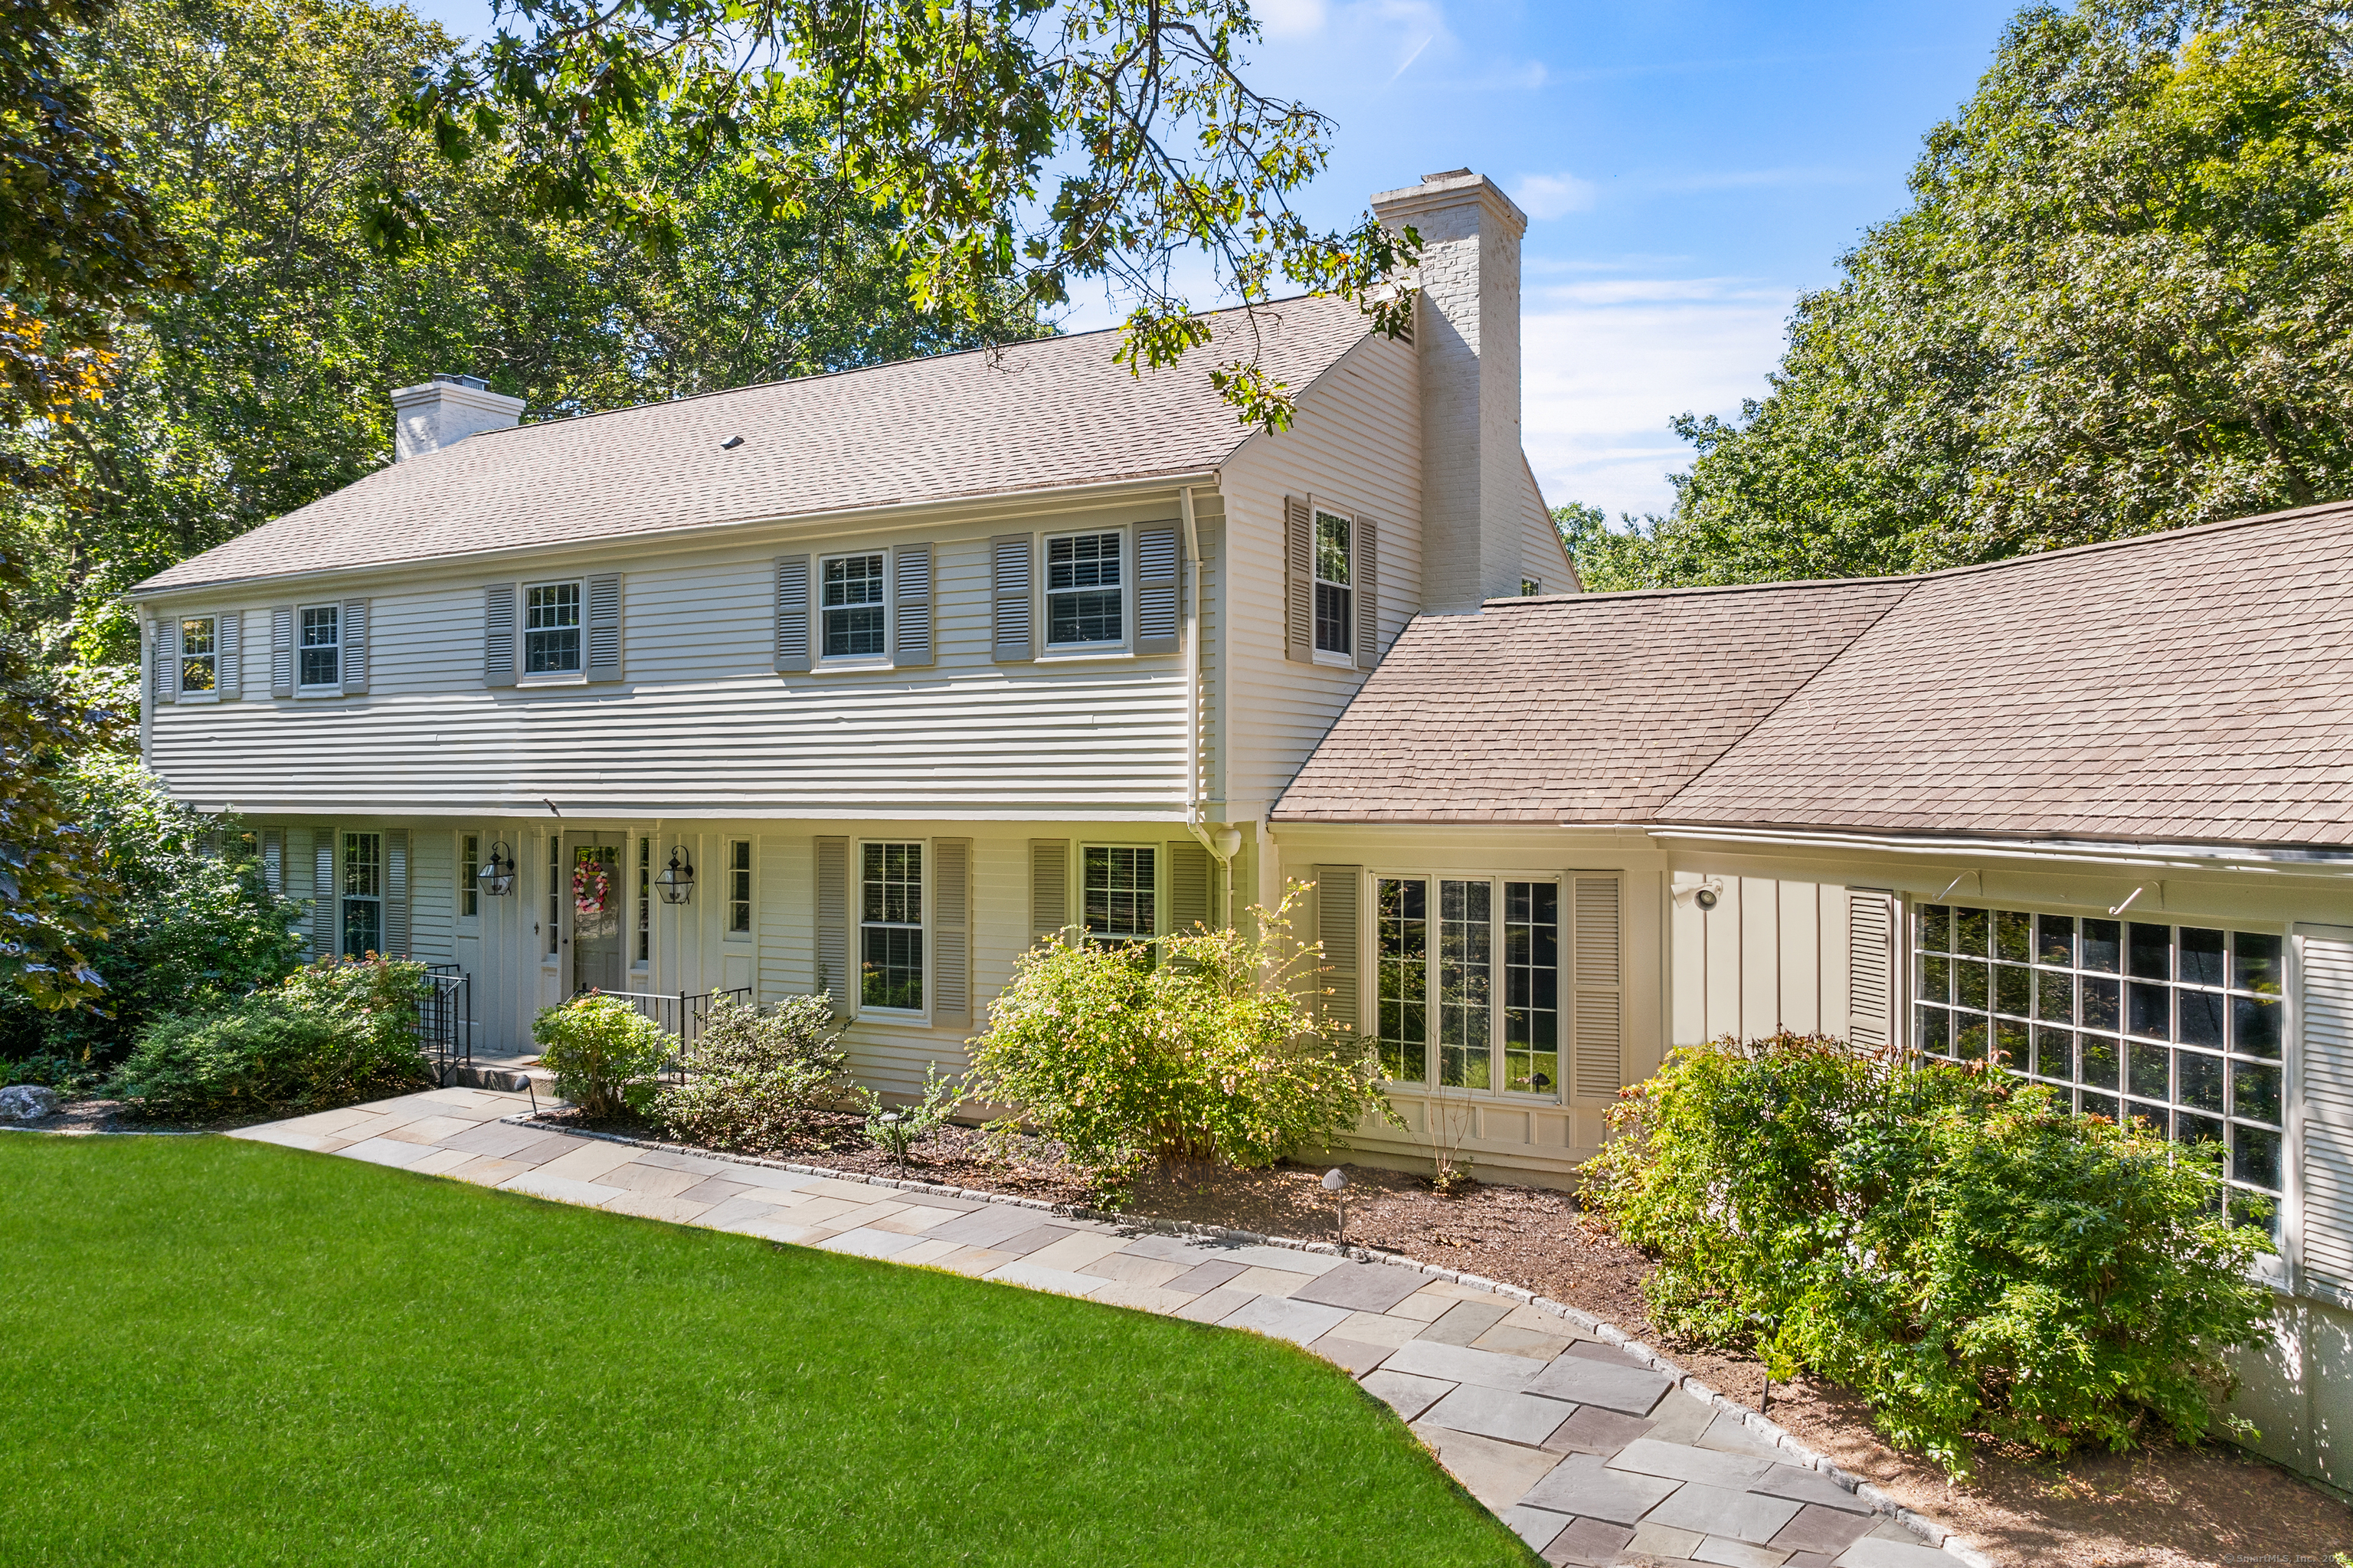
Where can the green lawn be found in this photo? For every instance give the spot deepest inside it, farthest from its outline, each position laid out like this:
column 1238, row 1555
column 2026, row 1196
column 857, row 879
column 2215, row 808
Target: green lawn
column 216, row 1351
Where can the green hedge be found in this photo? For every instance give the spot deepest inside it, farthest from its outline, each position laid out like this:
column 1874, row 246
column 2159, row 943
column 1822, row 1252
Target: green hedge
column 1955, row 1246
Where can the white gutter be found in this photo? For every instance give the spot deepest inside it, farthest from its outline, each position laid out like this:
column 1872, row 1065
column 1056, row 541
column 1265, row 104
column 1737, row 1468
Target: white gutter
column 1223, row 914
column 2179, row 857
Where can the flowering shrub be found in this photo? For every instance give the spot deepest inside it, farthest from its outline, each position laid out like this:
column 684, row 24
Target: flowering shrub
column 1192, row 1047
column 604, row 1054
column 758, row 1075
column 1957, row 1247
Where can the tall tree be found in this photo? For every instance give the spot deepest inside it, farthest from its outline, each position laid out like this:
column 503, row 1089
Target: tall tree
column 2122, row 300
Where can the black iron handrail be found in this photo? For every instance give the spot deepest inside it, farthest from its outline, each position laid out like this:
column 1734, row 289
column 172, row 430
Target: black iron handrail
column 680, row 1014
column 445, row 1020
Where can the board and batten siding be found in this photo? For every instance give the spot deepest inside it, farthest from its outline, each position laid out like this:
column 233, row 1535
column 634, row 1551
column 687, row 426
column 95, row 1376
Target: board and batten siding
column 1356, row 447
column 1772, row 955
column 702, row 724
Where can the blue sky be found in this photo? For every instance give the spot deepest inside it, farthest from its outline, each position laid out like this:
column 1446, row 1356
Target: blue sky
column 1688, row 169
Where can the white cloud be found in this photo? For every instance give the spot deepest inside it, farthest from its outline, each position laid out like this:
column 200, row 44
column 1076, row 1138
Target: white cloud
column 1291, row 18
column 1552, row 195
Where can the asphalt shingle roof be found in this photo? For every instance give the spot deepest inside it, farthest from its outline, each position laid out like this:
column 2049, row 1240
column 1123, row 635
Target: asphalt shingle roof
column 2189, row 686
column 1031, row 417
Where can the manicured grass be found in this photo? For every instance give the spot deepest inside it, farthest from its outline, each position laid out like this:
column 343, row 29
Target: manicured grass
column 216, row 1351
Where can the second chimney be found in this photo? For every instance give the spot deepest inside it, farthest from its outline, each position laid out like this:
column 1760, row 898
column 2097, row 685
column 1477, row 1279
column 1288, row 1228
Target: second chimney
column 446, row 410
column 1473, row 480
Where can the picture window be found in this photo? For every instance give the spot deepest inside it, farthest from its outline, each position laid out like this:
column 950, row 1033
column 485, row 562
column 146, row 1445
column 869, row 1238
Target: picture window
column 1467, row 976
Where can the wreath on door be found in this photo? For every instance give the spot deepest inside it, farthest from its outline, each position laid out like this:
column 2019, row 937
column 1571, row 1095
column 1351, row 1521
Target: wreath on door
column 592, row 887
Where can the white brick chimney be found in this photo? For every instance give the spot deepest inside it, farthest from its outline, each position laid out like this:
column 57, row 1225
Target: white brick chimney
column 1467, row 324
column 445, row 411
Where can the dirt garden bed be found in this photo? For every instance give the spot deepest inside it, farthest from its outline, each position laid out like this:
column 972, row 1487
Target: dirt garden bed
column 2162, row 1506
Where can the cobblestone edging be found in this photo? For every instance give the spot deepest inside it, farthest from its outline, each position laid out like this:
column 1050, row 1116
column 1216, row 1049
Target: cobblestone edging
column 1766, row 1430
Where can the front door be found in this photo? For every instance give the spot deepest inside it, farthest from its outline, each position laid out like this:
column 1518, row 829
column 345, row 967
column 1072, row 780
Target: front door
column 595, row 901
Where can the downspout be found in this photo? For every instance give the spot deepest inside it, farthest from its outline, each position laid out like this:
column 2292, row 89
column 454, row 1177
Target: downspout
column 1223, row 914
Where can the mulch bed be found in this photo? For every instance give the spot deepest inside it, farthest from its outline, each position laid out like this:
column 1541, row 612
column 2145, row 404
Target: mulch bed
column 2161, row 1506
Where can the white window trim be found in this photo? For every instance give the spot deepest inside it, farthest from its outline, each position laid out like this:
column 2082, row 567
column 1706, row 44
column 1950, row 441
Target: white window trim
column 1369, row 981
column 180, row 641
column 380, row 898
column 1315, row 516
column 325, row 689
column 524, row 676
column 466, row 882
column 1042, row 612
column 819, row 660
column 1159, row 882
column 858, row 931
column 552, row 942
column 751, row 932
column 642, row 846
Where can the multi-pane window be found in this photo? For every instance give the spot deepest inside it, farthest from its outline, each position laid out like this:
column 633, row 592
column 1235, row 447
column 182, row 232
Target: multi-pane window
column 1083, row 589
column 551, row 628
column 739, row 887
column 890, row 926
column 363, row 892
column 470, row 873
column 854, row 605
column 1439, row 944
column 320, row 645
column 554, row 895
column 2179, row 1025
column 645, row 947
column 1119, row 893
column 1335, row 599
column 199, row 654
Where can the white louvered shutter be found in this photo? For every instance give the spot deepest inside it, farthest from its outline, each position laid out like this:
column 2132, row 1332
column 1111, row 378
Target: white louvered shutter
column 833, row 972
column 498, row 634
column 1050, row 887
column 1365, row 578
column 395, row 893
column 281, row 650
column 1870, row 969
column 228, row 648
column 1596, row 992
column 952, row 931
column 910, row 607
column 1188, row 886
column 1338, row 924
column 603, row 593
column 1156, row 568
column 355, row 646
column 1012, row 633
column 273, row 860
column 325, row 902
column 791, row 614
column 2324, row 1161
column 168, row 660
column 1298, row 579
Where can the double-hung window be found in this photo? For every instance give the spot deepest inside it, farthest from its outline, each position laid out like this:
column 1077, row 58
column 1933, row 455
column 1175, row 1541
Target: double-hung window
column 1085, row 592
column 1119, row 887
column 551, row 628
column 320, row 648
column 1335, row 606
column 199, row 654
column 2178, row 1026
column 362, row 909
column 1467, row 972
column 854, row 601
column 890, row 926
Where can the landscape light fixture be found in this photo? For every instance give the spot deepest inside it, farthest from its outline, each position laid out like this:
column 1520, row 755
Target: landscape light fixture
column 1336, row 1182
column 676, row 882
column 496, row 877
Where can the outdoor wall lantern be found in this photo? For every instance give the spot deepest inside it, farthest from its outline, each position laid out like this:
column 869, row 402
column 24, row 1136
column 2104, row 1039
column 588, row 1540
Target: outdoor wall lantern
column 676, row 882
column 497, row 876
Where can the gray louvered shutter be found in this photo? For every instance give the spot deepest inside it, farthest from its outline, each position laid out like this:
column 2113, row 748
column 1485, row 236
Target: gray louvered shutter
column 498, row 634
column 1012, row 631
column 952, row 931
column 1870, row 969
column 910, row 607
column 1298, row 580
column 325, row 904
column 1365, row 578
column 228, row 648
column 395, row 893
column 1156, row 569
column 2324, row 1161
column 1338, row 924
column 1596, row 997
column 281, row 650
column 1188, row 886
column 791, row 614
column 1050, row 887
column 833, row 923
column 273, row 860
column 167, row 658
column 603, row 593
column 355, row 646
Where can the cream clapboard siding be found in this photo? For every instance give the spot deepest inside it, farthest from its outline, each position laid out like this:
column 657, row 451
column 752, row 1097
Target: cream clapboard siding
column 1772, row 955
column 1358, row 444
column 703, row 726
column 1544, row 559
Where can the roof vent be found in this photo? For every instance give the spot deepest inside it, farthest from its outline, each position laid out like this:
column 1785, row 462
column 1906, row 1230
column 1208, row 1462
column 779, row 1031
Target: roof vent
column 731, row 443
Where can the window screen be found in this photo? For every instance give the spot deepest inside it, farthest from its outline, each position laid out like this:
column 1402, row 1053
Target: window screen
column 890, row 926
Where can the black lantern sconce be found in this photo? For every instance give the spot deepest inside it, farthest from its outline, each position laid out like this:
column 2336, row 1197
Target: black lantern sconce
column 497, row 875
column 676, row 882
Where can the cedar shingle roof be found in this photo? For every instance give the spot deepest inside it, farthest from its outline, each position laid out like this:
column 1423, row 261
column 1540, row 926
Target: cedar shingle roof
column 2189, row 686
column 1033, row 417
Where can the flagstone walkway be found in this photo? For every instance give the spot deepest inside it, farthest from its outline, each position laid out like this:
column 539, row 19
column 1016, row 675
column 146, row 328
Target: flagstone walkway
column 1583, row 1448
